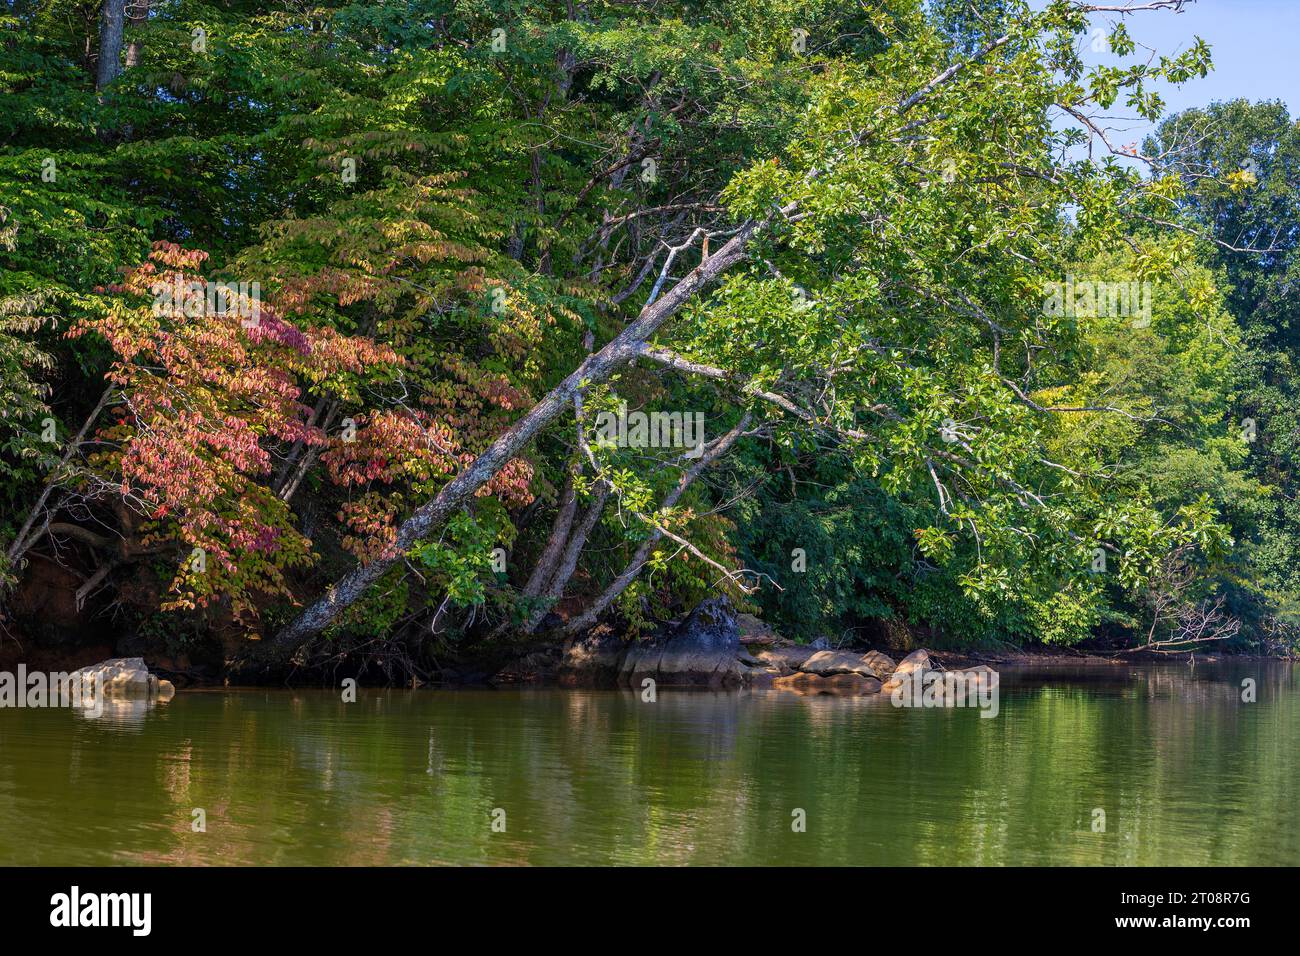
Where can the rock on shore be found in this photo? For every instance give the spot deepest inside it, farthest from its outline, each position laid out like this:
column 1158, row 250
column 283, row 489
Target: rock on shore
column 716, row 647
column 703, row 651
column 830, row 663
column 915, row 661
column 839, row 685
column 126, row 677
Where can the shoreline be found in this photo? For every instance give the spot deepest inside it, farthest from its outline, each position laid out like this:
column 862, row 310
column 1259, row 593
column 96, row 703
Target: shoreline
column 485, row 671
column 714, row 647
column 1042, row 656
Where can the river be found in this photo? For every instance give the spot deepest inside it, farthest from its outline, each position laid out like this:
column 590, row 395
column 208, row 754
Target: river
column 1185, row 771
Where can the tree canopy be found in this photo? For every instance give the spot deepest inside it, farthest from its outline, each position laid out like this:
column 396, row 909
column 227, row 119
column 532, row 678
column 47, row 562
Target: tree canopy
column 422, row 322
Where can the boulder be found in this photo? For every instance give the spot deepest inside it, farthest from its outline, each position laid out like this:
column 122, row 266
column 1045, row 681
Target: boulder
column 985, row 674
column 917, row 660
column 787, row 658
column 958, row 688
column 979, row 676
column 761, row 676
column 702, row 651
column 840, row 685
column 756, row 632
column 882, row 665
column 593, row 658
column 126, row 677
column 828, row 663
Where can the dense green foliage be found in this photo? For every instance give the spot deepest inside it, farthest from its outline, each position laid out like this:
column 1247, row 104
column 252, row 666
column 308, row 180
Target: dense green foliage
column 438, row 209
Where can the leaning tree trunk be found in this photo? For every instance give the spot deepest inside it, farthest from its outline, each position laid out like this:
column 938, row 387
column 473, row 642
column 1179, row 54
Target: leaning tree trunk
column 596, row 368
column 544, row 569
column 569, row 563
column 109, row 67
column 457, row 493
column 616, row 587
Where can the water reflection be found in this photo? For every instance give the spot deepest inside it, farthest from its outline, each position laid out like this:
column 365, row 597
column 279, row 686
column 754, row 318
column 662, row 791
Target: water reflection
column 123, row 711
column 1186, row 772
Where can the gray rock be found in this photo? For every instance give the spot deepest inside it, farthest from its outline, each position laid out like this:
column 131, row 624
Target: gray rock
column 917, row 660
column 839, row 685
column 828, row 663
column 881, row 665
column 595, row 657
column 980, row 675
column 756, row 632
column 787, row 658
column 702, row 651
column 761, row 676
column 126, row 677
column 958, row 688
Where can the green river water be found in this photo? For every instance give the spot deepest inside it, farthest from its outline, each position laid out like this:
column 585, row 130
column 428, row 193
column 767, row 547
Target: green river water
column 1186, row 772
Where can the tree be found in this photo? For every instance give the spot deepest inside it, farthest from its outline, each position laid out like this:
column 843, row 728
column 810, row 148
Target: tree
column 1238, row 165
column 826, row 201
column 828, row 232
column 111, row 28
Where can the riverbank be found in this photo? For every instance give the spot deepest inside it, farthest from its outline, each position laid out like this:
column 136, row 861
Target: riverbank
column 713, row 646
column 1054, row 656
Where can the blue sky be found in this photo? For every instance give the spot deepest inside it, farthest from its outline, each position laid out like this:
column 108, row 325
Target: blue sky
column 1253, row 42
